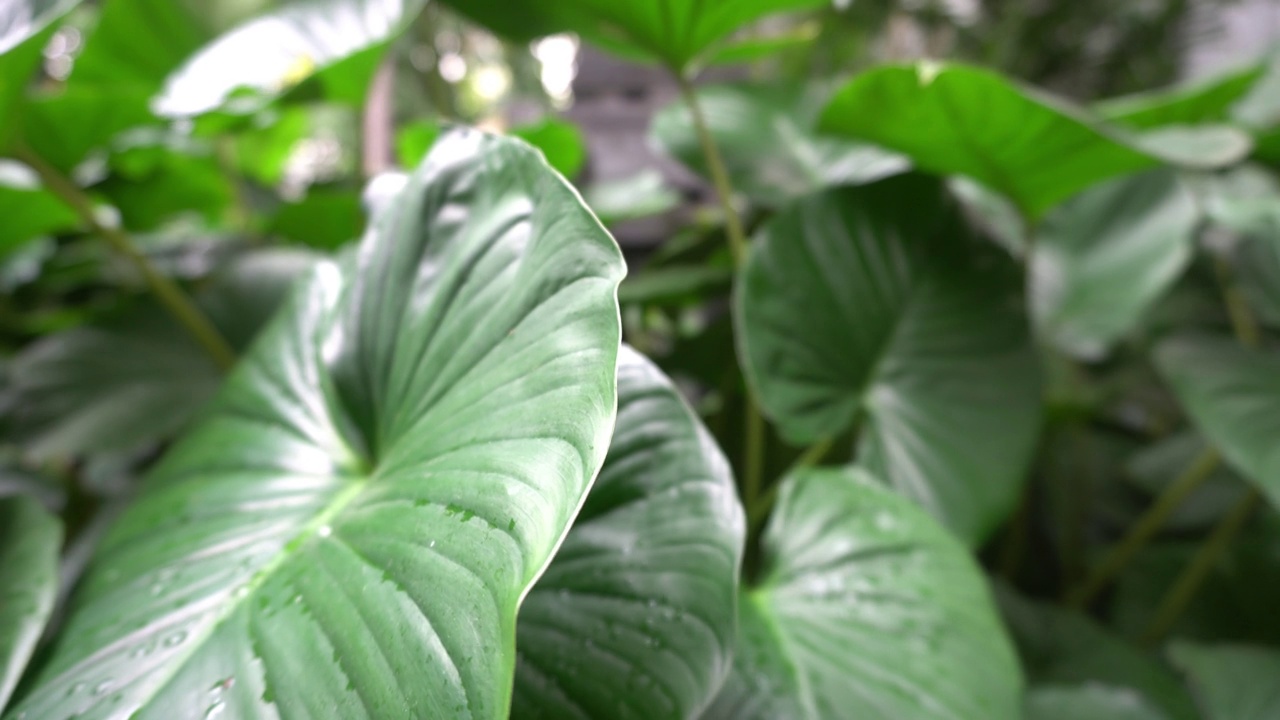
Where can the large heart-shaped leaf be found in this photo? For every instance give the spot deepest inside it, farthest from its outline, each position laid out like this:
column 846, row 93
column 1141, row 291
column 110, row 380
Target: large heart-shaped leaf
column 350, row 529
column 635, row 616
column 872, row 300
column 1233, row 395
column 62, row 129
column 25, row 27
column 1088, row 702
column 1203, row 101
column 771, row 149
column 30, row 539
column 1232, row 682
column 137, row 43
column 273, row 52
column 867, row 609
column 673, row 32
column 1104, row 257
column 1035, row 149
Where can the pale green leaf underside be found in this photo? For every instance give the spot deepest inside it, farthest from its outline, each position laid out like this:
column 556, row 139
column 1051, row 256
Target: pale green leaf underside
column 635, row 616
column 350, row 529
column 1102, row 259
column 873, row 300
column 30, row 541
column 1232, row 682
column 869, row 610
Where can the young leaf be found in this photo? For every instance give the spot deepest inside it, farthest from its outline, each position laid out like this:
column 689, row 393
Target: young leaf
column 278, row 50
column 1037, row 150
column 1088, row 702
column 1233, row 395
column 1102, row 259
column 871, row 300
column 867, row 609
column 30, row 539
column 350, row 529
column 1232, row 682
column 635, row 616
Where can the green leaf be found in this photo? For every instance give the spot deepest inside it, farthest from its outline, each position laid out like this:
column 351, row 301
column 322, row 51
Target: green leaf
column 25, row 29
column 63, row 129
column 127, row 384
column 872, row 300
column 275, row 51
column 28, row 211
column 350, row 529
column 1102, row 259
column 1062, row 647
column 560, row 141
column 1201, row 102
column 1088, row 702
column 674, row 284
column 414, row 141
column 1232, row 682
column 137, row 43
column 24, row 19
column 675, row 33
column 754, row 49
column 165, row 185
column 1233, row 395
column 642, row 195
column 325, row 219
column 771, row 149
column 30, row 540
column 1036, row 150
column 1245, row 200
column 635, row 616
column 1158, row 465
column 867, row 609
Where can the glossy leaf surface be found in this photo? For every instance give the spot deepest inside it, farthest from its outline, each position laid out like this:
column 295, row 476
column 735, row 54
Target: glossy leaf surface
column 1103, row 258
column 873, row 300
column 278, row 50
column 30, row 539
column 350, row 529
column 635, row 616
column 771, row 148
column 1232, row 682
column 1233, row 395
column 1036, row 150
column 867, row 609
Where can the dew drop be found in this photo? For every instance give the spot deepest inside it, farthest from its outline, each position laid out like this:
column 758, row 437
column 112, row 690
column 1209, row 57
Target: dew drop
column 175, row 639
column 102, row 687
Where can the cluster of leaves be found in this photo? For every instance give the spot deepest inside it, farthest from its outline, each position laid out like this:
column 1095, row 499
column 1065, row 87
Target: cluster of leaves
column 943, row 327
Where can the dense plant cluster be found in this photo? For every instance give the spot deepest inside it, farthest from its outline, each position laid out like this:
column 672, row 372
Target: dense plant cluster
column 961, row 403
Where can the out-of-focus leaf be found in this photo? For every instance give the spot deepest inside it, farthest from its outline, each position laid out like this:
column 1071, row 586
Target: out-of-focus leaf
column 324, row 219
column 753, row 49
column 867, row 609
column 403, row 450
column 1062, row 647
column 771, row 149
column 1245, row 200
column 873, row 300
column 25, row 27
column 1088, row 702
column 21, row 20
column 1201, row 147
column 1036, row 150
column 125, row 385
column 414, row 140
column 635, row 617
column 28, row 211
column 264, row 152
column 30, row 539
column 62, row 129
column 1233, row 395
column 136, row 44
column 1160, row 464
column 1232, row 682
column 1205, row 101
column 560, row 141
column 674, row 283
column 992, row 214
column 174, row 183
column 1103, row 258
column 642, row 195
column 276, row 51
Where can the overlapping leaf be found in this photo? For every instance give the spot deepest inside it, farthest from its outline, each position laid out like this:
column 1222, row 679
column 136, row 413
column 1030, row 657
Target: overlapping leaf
column 1232, row 682
column 30, row 540
column 1088, row 702
column 872, row 301
column 867, row 609
column 1204, row 101
column 635, row 616
column 402, row 451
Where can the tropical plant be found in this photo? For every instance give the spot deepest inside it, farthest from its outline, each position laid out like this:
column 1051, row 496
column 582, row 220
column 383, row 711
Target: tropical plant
column 959, row 404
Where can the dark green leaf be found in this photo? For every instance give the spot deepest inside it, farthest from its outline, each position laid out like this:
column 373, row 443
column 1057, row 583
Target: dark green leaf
column 1088, row 702
column 1102, row 259
column 1233, row 395
column 325, row 219
column 30, row 540
column 771, row 150
column 560, row 141
column 350, row 530
column 635, row 616
column 1204, row 101
column 963, row 120
column 869, row 610
column 173, row 184
column 1158, row 465
column 271, row 53
column 673, row 284
column 1232, row 682
column 28, row 211
column 872, row 300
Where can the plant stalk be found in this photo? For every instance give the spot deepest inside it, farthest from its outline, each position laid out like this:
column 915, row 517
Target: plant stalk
column 1147, row 526
column 165, row 290
column 1243, row 323
column 809, row 458
column 1188, row 583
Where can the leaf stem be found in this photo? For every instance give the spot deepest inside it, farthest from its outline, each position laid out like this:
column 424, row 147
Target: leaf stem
column 1185, row 587
column 1147, row 526
column 809, row 458
column 1243, row 323
column 165, row 290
